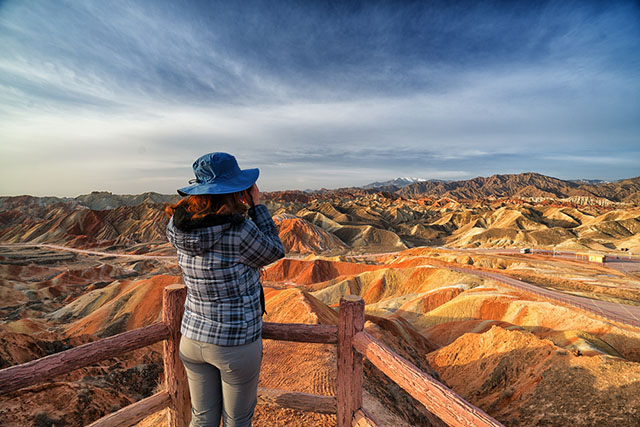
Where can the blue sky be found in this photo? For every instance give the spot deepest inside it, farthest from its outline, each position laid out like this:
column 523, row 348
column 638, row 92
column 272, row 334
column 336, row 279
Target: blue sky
column 123, row 95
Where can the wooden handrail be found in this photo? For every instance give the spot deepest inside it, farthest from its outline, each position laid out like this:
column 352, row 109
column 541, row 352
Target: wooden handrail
column 39, row 370
column 179, row 414
column 350, row 373
column 296, row 400
column 134, row 413
column 353, row 343
column 325, row 334
column 435, row 396
column 362, row 418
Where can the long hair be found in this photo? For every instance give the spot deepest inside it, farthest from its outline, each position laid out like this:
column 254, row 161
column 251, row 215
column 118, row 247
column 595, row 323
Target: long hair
column 200, row 206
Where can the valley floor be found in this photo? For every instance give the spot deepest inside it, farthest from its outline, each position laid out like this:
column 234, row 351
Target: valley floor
column 509, row 332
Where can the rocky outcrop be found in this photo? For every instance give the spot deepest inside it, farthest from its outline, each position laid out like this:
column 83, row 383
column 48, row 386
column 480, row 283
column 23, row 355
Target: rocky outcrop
column 120, row 306
column 82, row 227
column 300, row 236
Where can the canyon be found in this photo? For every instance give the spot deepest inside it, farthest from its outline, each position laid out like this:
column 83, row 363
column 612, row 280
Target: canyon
column 434, row 262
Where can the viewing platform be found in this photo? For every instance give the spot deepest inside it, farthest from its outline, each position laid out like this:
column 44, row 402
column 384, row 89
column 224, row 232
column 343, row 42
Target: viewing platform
column 353, row 343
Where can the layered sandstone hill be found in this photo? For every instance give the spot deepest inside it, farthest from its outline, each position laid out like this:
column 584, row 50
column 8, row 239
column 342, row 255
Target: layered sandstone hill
column 44, row 286
column 508, row 335
column 376, row 222
column 118, row 307
column 300, row 236
column 433, row 300
column 520, row 185
column 505, row 350
column 509, row 210
column 626, row 190
column 97, row 200
column 83, row 227
column 104, row 200
column 610, row 281
column 498, row 347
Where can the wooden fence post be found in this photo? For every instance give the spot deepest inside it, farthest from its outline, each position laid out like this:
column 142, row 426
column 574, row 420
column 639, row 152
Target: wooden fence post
column 179, row 414
column 350, row 375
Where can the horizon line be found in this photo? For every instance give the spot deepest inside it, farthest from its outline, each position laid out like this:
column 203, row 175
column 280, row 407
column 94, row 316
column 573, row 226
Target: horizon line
column 309, row 190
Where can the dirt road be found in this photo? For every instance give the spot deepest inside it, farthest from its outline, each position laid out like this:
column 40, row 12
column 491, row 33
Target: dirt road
column 89, row 252
column 622, row 313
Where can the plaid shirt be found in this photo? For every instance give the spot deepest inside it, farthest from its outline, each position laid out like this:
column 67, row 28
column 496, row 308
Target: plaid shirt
column 220, row 265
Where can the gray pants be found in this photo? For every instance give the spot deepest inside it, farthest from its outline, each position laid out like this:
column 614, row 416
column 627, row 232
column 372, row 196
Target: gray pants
column 222, row 381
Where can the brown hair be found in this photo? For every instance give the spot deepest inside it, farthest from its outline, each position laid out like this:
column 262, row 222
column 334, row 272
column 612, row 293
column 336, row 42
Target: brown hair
column 200, row 206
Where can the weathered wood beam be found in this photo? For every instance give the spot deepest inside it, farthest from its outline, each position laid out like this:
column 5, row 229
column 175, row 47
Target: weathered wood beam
column 364, row 419
column 296, row 400
column 179, row 413
column 350, row 374
column 134, row 413
column 325, row 334
column 43, row 369
column 436, row 397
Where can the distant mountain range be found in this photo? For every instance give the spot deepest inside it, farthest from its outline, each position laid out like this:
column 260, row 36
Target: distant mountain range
column 397, row 183
column 590, row 181
column 524, row 185
column 528, row 185
column 402, row 182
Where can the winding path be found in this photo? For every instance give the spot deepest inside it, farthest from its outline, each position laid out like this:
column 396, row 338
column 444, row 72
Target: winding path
column 623, row 313
column 618, row 312
column 87, row 251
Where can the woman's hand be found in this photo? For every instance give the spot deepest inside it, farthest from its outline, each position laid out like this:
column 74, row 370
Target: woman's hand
column 254, row 192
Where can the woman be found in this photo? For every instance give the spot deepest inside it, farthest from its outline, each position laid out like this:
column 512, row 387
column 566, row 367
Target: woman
column 220, row 253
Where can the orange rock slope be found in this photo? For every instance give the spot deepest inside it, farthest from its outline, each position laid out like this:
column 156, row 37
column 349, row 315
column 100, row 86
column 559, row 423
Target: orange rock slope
column 523, row 380
column 300, row 236
column 119, row 307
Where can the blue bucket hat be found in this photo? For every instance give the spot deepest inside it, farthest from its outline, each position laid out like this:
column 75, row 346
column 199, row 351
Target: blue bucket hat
column 219, row 173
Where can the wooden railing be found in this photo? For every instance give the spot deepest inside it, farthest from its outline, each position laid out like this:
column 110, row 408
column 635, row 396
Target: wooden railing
column 353, row 344
column 176, row 395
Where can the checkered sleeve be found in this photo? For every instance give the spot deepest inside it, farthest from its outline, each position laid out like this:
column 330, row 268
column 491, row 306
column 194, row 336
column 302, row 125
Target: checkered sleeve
column 260, row 242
